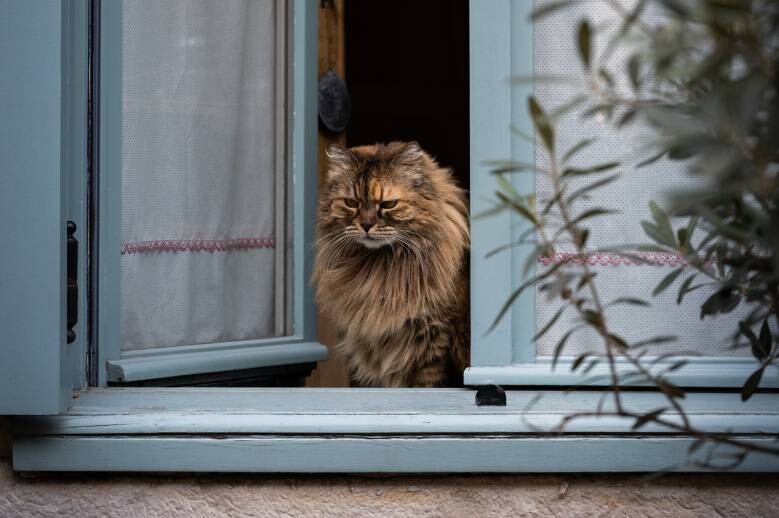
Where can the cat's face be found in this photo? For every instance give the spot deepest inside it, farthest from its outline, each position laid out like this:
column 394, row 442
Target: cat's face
column 377, row 195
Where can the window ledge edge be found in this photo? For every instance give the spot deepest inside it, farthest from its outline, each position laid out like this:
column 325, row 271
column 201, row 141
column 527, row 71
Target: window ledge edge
column 367, row 430
column 190, row 363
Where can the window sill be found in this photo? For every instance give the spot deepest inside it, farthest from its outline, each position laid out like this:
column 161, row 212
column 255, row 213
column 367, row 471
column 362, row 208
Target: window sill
column 700, row 372
column 191, row 360
column 368, row 430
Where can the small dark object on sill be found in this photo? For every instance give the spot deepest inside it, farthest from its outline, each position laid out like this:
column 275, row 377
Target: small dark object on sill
column 490, row 395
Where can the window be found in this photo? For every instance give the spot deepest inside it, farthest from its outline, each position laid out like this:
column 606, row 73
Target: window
column 198, row 277
column 277, row 429
column 203, row 169
column 509, row 355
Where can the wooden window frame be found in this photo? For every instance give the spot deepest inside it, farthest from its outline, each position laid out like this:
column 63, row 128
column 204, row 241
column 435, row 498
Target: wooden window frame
column 296, row 182
column 375, row 430
column 502, row 46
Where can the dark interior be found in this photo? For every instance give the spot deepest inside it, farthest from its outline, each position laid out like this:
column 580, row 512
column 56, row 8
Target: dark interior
column 407, row 73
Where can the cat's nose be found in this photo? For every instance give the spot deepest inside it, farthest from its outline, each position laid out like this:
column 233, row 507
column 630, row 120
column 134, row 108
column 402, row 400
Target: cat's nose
column 366, row 226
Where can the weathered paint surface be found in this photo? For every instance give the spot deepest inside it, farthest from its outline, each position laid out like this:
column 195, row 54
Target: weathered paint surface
column 124, row 496
column 367, row 497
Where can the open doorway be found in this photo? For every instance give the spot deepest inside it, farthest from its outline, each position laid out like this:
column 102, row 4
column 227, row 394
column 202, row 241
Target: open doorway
column 407, row 73
column 405, row 65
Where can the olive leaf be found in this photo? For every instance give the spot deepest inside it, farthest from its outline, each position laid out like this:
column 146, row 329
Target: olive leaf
column 582, row 144
column 670, row 389
column 649, row 416
column 667, row 281
column 633, row 301
column 558, row 349
column 541, row 123
column 591, row 187
column 752, row 384
column 723, row 301
column 764, row 341
column 662, row 223
column 685, row 288
column 576, row 171
column 585, row 43
column 634, row 71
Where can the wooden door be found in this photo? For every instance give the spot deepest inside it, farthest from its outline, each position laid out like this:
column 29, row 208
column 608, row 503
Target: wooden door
column 332, row 372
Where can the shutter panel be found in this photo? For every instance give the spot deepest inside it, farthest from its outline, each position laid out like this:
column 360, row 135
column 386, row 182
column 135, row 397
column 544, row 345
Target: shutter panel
column 34, row 368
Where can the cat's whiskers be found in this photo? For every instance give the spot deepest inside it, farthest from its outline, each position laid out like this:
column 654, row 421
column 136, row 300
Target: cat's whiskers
column 331, row 249
column 409, row 243
column 414, row 240
column 322, row 238
column 406, row 243
column 338, row 249
column 349, row 238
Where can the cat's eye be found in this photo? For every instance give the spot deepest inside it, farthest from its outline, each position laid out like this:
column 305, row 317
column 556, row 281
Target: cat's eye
column 351, row 203
column 388, row 204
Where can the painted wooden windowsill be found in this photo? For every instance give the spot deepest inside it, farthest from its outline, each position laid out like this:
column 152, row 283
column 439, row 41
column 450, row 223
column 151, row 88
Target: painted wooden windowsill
column 699, row 372
column 370, row 430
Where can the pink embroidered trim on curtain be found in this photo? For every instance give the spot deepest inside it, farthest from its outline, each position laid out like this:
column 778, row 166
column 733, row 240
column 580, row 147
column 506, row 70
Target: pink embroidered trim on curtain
column 615, row 259
column 197, row 245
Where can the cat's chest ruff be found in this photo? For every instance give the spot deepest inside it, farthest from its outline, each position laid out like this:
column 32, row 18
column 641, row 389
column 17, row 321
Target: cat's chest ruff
column 389, row 360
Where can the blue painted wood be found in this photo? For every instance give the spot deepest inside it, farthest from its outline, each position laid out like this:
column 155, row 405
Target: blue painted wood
column 501, row 40
column 700, row 372
column 34, row 370
column 204, row 358
column 490, row 137
column 320, row 401
column 304, row 163
column 74, row 160
column 108, row 320
column 341, row 423
column 369, row 430
column 523, row 320
column 216, row 360
column 373, row 411
column 207, row 347
column 345, row 454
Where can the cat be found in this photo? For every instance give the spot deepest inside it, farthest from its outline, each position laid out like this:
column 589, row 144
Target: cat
column 391, row 267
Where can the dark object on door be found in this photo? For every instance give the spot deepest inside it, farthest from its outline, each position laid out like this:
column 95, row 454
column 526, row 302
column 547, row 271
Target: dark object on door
column 335, row 105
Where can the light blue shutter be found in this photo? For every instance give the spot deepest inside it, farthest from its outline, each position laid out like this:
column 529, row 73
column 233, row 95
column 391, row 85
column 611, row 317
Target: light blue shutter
column 35, row 376
column 201, row 359
column 502, row 46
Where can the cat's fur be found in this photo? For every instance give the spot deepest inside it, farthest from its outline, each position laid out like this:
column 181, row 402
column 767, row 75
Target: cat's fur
column 398, row 292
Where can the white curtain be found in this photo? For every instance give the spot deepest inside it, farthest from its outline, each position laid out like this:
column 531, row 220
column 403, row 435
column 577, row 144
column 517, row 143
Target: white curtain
column 555, row 53
column 198, row 171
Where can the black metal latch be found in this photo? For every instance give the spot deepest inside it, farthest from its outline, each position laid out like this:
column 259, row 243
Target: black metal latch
column 72, row 275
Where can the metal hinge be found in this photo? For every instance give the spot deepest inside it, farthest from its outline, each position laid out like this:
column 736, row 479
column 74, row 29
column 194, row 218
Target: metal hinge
column 72, row 281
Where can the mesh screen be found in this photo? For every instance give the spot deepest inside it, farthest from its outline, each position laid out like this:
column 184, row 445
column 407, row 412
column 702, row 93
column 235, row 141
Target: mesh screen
column 198, row 171
column 555, row 53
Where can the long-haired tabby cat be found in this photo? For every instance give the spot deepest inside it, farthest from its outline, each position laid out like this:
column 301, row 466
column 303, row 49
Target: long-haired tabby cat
column 391, row 265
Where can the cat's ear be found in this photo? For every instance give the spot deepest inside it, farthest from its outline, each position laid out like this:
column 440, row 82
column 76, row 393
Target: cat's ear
column 340, row 161
column 409, row 154
column 340, row 156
